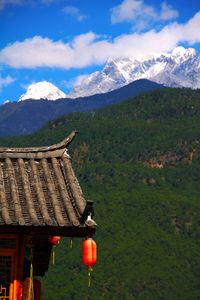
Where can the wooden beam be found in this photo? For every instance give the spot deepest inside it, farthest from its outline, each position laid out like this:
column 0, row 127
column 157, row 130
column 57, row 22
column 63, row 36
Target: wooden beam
column 50, row 230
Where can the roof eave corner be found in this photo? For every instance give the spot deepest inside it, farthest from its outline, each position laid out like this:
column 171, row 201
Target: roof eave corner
column 87, row 215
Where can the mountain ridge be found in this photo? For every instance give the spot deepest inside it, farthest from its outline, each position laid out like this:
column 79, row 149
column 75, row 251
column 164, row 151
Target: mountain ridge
column 180, row 68
column 25, row 117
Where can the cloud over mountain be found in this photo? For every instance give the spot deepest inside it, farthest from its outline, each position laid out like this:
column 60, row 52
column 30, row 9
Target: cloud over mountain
column 89, row 49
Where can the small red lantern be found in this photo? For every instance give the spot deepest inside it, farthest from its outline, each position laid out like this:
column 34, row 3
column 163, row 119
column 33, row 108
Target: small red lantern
column 89, row 249
column 54, row 240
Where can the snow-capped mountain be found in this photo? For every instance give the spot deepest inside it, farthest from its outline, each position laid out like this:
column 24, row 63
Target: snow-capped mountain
column 180, row 68
column 43, row 90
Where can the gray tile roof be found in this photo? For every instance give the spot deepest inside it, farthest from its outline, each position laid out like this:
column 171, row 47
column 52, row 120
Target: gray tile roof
column 38, row 188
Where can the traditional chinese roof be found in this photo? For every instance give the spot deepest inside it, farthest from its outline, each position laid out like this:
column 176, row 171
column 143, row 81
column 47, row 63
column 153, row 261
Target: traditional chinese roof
column 40, row 192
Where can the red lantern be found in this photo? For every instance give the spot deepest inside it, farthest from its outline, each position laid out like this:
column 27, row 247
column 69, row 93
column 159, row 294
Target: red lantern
column 89, row 255
column 54, row 240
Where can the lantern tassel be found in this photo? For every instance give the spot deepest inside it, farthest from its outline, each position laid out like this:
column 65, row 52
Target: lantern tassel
column 89, row 279
column 31, row 275
column 31, row 290
column 89, row 275
column 53, row 256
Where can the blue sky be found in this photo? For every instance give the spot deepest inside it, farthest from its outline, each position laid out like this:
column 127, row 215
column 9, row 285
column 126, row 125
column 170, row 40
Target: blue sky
column 62, row 40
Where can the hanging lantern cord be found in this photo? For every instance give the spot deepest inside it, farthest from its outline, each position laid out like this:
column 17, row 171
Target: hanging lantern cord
column 89, row 276
column 31, row 275
column 54, row 240
column 54, row 254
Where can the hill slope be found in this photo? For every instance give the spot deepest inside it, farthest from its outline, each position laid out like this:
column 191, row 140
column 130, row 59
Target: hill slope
column 139, row 160
column 27, row 116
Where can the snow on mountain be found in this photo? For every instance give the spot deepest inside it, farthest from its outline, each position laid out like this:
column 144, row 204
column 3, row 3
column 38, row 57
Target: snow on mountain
column 180, row 68
column 43, row 90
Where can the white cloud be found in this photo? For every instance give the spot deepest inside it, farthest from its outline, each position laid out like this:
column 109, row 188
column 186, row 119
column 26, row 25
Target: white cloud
column 126, row 11
column 80, row 78
column 140, row 14
column 37, row 52
column 191, row 32
column 6, row 81
column 167, row 12
column 89, row 49
column 4, row 3
column 74, row 12
column 69, row 84
column 25, row 86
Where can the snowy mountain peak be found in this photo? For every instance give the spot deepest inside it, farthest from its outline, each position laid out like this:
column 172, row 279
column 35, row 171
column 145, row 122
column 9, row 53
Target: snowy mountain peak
column 180, row 54
column 110, row 61
column 43, row 90
column 180, row 51
column 180, row 68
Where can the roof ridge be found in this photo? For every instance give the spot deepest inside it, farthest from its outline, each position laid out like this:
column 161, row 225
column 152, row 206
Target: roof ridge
column 61, row 145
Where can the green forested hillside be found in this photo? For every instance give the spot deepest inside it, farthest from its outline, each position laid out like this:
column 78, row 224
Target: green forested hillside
column 139, row 160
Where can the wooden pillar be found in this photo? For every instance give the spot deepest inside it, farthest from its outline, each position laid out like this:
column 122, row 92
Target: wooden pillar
column 27, row 289
column 21, row 242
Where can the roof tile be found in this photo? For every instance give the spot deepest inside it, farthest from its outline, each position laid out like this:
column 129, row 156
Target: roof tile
column 38, row 187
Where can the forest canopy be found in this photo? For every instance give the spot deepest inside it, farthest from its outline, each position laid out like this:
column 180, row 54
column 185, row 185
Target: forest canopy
column 139, row 160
